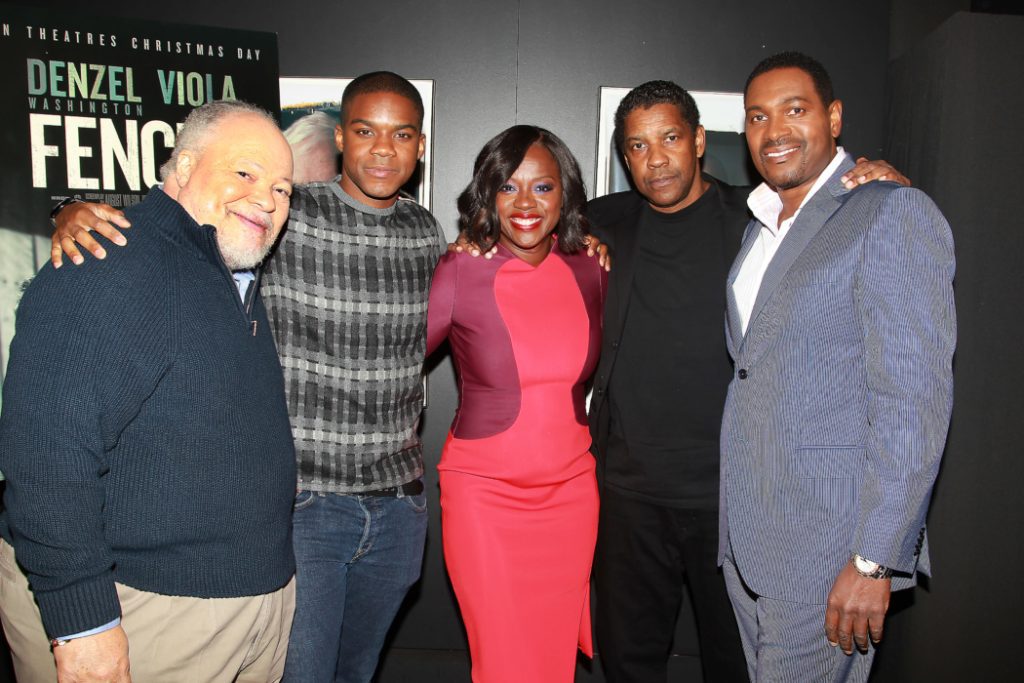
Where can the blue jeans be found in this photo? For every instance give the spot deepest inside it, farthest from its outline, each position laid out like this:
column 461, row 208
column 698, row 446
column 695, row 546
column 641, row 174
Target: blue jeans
column 355, row 557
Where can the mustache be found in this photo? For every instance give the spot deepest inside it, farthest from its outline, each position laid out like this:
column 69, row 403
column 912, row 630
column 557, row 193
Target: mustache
column 778, row 142
column 262, row 219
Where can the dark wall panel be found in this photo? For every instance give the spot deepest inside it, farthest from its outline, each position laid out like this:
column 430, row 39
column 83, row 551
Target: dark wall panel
column 913, row 20
column 953, row 98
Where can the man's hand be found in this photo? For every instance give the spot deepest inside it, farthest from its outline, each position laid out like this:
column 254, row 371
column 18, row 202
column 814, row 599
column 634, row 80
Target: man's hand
column 75, row 221
column 102, row 658
column 595, row 247
column 867, row 171
column 856, row 609
column 462, row 244
column 600, row 249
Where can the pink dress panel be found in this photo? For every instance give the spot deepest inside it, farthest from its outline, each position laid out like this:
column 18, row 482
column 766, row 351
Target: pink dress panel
column 518, row 491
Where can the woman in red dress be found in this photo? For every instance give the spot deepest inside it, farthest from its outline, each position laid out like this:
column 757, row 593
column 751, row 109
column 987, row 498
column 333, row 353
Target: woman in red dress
column 518, row 490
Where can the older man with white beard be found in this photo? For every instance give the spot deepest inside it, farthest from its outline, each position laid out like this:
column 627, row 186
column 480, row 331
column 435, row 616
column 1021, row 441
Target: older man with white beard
column 150, row 510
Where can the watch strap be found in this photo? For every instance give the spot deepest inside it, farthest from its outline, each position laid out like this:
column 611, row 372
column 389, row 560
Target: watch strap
column 59, row 206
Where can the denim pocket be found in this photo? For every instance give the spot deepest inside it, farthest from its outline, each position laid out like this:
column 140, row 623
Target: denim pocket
column 303, row 499
column 417, row 502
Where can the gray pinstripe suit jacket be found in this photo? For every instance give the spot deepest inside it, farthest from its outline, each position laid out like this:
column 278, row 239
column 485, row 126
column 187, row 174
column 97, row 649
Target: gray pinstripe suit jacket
column 837, row 413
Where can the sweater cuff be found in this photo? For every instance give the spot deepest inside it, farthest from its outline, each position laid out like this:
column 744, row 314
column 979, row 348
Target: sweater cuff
column 80, row 607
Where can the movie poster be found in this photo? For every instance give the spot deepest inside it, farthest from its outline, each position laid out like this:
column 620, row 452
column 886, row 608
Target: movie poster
column 90, row 107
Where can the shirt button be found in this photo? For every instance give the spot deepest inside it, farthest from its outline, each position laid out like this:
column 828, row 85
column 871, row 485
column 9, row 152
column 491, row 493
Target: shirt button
column 742, row 374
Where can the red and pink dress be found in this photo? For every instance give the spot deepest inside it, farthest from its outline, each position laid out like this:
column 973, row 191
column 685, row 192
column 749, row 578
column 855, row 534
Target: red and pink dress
column 518, row 490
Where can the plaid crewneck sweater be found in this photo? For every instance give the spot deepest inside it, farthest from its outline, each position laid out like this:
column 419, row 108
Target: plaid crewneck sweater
column 144, row 433
column 346, row 292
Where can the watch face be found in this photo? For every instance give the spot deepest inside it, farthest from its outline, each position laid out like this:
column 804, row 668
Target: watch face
column 865, row 565
column 867, row 568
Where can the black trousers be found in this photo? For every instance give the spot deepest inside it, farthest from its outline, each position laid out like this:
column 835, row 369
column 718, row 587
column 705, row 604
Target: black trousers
column 646, row 555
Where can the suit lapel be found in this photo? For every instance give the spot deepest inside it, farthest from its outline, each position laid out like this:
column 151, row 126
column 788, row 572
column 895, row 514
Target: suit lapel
column 734, row 330
column 812, row 217
column 626, row 229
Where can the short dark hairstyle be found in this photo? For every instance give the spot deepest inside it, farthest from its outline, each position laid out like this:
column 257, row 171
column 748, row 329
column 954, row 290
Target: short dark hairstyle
column 796, row 60
column 646, row 95
column 381, row 81
column 496, row 163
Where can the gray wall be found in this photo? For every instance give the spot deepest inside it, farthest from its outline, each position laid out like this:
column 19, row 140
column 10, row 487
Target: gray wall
column 539, row 61
column 912, row 20
column 947, row 128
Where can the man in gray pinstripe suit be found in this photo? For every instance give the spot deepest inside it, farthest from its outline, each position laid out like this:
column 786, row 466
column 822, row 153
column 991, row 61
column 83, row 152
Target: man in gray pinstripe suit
column 842, row 328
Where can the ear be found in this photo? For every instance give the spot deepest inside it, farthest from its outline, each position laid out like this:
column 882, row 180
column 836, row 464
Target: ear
column 699, row 139
column 835, row 118
column 422, row 146
column 186, row 165
column 339, row 138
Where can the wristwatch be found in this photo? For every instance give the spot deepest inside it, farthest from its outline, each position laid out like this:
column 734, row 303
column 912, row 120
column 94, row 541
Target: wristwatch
column 869, row 569
column 58, row 207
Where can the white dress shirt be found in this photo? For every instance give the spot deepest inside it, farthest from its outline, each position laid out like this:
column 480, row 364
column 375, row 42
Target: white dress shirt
column 766, row 205
column 243, row 278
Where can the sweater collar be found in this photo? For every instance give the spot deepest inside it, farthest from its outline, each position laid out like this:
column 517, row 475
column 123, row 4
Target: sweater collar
column 173, row 222
column 349, row 200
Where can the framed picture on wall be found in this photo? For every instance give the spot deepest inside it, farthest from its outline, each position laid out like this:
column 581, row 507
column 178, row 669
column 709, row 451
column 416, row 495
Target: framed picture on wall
column 311, row 103
column 725, row 156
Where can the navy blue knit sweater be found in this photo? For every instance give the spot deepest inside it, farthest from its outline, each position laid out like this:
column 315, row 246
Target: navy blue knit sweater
column 144, row 432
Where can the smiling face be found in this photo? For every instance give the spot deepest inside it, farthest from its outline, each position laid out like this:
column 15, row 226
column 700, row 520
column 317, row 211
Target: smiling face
column 663, row 155
column 380, row 142
column 240, row 183
column 790, row 132
column 529, row 205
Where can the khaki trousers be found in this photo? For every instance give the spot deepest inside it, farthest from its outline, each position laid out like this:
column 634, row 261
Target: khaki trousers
column 170, row 639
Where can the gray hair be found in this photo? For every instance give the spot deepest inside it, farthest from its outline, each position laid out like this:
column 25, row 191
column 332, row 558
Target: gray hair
column 198, row 123
column 311, row 128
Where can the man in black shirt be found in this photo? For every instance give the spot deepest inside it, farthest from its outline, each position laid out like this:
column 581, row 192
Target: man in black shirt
column 660, row 388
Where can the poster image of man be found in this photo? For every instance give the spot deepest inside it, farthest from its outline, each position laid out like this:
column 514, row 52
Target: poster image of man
column 313, row 147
